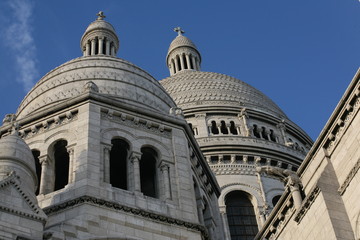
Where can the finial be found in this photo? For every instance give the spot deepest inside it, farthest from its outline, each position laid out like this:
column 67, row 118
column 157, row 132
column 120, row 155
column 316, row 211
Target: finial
column 100, row 15
column 179, row 31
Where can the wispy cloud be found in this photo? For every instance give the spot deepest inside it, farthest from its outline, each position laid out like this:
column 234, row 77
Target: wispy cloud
column 21, row 43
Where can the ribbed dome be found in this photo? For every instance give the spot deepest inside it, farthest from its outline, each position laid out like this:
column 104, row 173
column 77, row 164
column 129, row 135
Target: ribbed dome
column 100, row 24
column 194, row 88
column 14, row 147
column 181, row 41
column 115, row 78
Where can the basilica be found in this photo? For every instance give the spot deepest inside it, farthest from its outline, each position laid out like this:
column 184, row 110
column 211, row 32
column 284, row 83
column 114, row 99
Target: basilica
column 100, row 150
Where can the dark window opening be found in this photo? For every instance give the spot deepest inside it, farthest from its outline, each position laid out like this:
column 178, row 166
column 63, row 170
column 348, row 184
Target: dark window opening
column 241, row 216
column 238, row 159
column 61, row 157
column 214, row 159
column 178, row 62
column 118, row 163
column 191, row 63
column 250, row 159
column 96, row 46
column 233, row 129
column 255, row 131
column 263, row 161
column 272, row 136
column 284, row 165
column 294, row 169
column 273, row 163
column 148, row 172
column 36, row 155
column 104, row 46
column 275, row 200
column 265, row 136
column 214, row 128
column 185, row 62
column 223, row 128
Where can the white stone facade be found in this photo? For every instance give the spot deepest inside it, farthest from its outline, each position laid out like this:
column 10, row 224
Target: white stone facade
column 99, row 149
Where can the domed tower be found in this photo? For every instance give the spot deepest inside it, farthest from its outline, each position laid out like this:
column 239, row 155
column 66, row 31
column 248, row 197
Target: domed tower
column 18, row 182
column 238, row 129
column 117, row 159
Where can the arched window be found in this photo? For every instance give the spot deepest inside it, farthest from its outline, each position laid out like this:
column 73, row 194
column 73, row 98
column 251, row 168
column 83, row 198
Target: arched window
column 214, row 129
column 256, row 131
column 118, row 163
column 223, row 128
column 36, row 154
column 241, row 216
column 264, row 134
column 185, row 62
column 178, row 62
column 61, row 159
column 148, row 172
column 275, row 200
column 233, row 128
column 272, row 136
column 191, row 63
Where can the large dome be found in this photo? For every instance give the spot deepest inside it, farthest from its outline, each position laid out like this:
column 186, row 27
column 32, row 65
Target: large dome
column 115, row 78
column 191, row 89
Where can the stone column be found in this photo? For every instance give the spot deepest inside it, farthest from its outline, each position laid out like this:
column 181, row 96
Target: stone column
column 295, row 192
column 166, row 180
column 198, row 65
column 101, row 45
column 44, row 160
column 107, row 48
column 281, row 127
column 135, row 160
column 88, row 49
column 232, row 158
column 225, row 221
column 182, row 62
column 244, row 116
column 188, row 61
column 107, row 150
column 70, row 150
column 93, row 45
column 113, row 50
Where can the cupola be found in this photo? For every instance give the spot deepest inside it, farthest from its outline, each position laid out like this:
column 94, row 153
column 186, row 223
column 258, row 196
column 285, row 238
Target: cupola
column 99, row 38
column 182, row 54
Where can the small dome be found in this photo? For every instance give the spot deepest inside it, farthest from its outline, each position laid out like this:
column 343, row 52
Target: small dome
column 15, row 155
column 181, row 41
column 100, row 24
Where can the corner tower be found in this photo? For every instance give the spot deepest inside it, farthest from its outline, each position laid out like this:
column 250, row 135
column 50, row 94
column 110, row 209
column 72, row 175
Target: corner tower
column 238, row 129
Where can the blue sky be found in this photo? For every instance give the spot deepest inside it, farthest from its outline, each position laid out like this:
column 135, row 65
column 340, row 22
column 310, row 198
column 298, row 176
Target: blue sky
column 302, row 54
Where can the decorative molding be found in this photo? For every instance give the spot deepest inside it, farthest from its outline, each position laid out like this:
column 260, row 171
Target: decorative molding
column 136, row 122
column 241, row 184
column 349, row 177
column 49, row 124
column 342, row 123
column 13, row 179
column 307, row 202
column 116, row 206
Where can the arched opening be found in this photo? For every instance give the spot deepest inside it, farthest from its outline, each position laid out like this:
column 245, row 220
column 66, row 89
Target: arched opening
column 214, row 128
column 185, row 61
column 191, row 63
column 272, row 135
column 148, row 172
column 178, row 62
column 223, row 128
column 275, row 200
column 36, row 154
column 264, row 133
column 61, row 157
column 241, row 216
column 118, row 163
column 233, row 128
column 256, row 131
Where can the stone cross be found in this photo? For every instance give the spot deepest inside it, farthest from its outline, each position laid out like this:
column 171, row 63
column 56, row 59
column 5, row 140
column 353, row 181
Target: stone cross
column 179, row 31
column 100, row 15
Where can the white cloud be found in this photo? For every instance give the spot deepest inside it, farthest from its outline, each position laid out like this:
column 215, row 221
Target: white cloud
column 21, row 43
